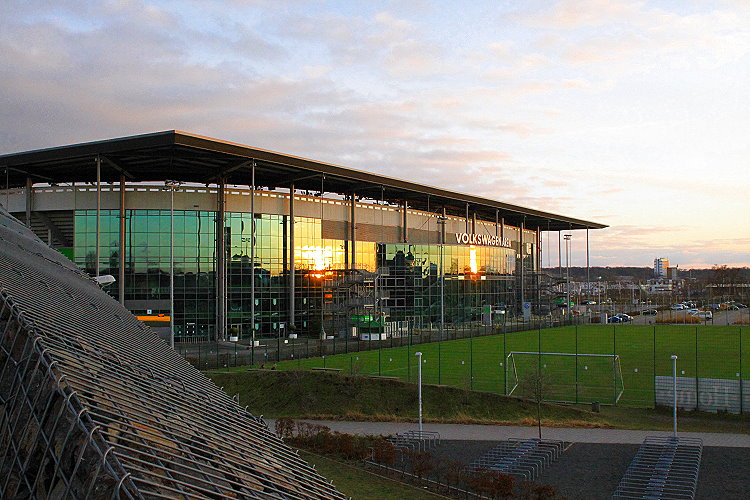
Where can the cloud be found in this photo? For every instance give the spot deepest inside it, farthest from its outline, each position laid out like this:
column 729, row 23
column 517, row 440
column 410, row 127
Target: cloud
column 573, row 14
column 629, row 113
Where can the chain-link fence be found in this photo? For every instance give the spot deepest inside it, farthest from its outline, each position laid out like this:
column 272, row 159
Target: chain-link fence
column 624, row 364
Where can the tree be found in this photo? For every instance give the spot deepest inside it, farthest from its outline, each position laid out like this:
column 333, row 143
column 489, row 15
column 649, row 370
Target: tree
column 533, row 386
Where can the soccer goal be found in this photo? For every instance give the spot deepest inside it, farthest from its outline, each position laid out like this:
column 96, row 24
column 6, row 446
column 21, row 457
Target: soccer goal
column 564, row 377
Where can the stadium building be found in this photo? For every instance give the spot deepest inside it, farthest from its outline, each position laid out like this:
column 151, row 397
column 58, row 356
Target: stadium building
column 264, row 244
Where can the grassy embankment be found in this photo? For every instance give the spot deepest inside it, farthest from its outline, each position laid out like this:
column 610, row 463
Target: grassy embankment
column 359, row 484
column 325, row 395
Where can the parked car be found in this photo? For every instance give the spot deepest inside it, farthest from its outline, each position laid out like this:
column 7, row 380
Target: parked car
column 614, row 319
column 733, row 307
column 706, row 315
column 741, row 306
column 650, row 312
column 589, row 302
column 624, row 317
column 677, row 307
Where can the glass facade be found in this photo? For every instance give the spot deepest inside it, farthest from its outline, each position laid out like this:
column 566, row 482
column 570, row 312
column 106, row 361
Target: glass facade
column 394, row 285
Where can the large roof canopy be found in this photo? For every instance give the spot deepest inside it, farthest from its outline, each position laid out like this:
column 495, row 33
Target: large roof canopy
column 191, row 158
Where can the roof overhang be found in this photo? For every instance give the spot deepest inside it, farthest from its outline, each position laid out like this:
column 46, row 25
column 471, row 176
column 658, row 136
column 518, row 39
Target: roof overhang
column 193, row 158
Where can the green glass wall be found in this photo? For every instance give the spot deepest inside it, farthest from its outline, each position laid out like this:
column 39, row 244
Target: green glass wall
column 392, row 282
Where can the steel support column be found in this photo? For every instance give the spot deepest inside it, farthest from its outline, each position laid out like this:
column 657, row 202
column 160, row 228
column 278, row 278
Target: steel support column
column 467, row 219
column 121, row 271
column 538, row 266
column 29, row 195
column 292, row 312
column 405, row 232
column 98, row 210
column 252, row 253
column 559, row 253
column 588, row 265
column 353, row 231
column 442, row 221
column 523, row 257
column 221, row 289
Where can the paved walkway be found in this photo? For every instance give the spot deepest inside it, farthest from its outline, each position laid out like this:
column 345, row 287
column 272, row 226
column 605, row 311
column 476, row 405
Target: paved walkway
column 501, row 432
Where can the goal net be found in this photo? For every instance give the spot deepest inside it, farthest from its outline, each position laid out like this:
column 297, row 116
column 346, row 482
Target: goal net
column 564, row 377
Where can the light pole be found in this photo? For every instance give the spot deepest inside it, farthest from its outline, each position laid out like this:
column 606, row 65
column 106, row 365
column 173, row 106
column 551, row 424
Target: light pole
column 171, row 186
column 674, row 394
column 567, row 274
column 418, row 354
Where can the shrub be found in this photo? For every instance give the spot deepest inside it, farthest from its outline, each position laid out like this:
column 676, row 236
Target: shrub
column 384, row 452
column 285, row 428
column 500, row 485
column 544, row 492
column 422, row 464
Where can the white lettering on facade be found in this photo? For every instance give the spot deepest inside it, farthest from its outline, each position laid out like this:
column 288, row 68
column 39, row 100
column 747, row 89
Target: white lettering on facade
column 482, row 239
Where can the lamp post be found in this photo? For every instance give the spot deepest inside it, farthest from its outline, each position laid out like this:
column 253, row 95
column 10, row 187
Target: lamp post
column 567, row 274
column 171, row 186
column 418, row 354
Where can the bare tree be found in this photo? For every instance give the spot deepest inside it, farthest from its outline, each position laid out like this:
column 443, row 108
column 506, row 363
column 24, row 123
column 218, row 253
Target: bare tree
column 533, row 386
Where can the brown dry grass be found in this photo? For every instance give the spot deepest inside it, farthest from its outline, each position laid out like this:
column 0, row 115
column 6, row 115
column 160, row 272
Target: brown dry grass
column 460, row 419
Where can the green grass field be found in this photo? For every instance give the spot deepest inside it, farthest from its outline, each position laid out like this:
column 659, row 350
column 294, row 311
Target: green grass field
column 479, row 363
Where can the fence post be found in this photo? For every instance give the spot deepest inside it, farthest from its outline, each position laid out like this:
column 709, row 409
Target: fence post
column 380, row 351
column 742, row 409
column 614, row 365
column 576, row 361
column 471, row 360
column 653, row 365
column 697, row 384
column 505, row 364
column 408, row 360
column 440, row 366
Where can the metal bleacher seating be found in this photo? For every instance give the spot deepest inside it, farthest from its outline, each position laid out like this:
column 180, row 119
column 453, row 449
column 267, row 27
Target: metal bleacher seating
column 663, row 468
column 521, row 457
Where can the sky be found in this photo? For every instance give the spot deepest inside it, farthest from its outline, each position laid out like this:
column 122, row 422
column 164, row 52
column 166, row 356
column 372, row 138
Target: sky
column 633, row 114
